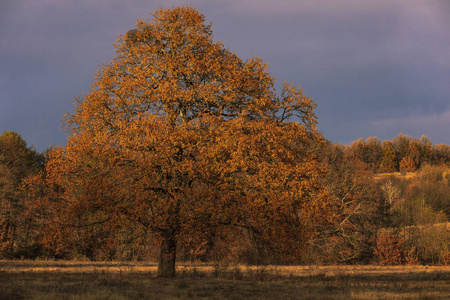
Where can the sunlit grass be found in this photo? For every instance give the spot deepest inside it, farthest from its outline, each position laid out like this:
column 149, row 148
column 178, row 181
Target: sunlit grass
column 137, row 280
column 408, row 175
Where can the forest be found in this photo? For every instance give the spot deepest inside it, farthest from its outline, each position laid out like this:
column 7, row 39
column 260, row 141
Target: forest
column 184, row 152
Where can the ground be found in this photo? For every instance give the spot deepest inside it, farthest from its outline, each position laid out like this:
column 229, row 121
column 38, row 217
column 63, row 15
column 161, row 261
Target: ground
column 114, row 280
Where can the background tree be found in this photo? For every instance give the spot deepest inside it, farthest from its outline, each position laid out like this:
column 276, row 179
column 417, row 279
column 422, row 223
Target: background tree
column 389, row 159
column 17, row 161
column 428, row 150
column 401, row 145
column 415, row 153
column 407, row 165
column 359, row 207
column 368, row 151
column 179, row 136
column 443, row 154
column 358, row 149
column 388, row 156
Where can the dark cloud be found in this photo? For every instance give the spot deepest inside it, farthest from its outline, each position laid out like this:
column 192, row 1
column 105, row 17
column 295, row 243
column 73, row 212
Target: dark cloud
column 442, row 9
column 434, row 126
column 7, row 10
column 375, row 68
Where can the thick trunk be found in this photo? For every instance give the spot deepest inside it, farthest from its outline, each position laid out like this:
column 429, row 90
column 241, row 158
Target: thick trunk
column 166, row 266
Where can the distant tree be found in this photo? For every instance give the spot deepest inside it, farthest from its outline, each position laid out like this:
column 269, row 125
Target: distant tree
column 443, row 154
column 407, row 165
column 428, row 151
column 180, row 136
column 389, row 159
column 368, row 151
column 432, row 184
column 401, row 145
column 358, row 149
column 374, row 153
column 17, row 161
column 359, row 207
column 386, row 156
column 391, row 191
column 426, row 140
column 415, row 153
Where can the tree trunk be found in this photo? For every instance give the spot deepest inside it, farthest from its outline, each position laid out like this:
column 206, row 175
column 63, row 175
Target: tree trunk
column 166, row 266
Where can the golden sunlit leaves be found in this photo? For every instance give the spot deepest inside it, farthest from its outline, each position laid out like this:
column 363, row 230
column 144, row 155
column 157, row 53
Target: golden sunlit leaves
column 178, row 132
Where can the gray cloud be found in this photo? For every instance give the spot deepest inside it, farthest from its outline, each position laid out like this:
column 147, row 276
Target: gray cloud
column 366, row 63
column 8, row 8
column 432, row 125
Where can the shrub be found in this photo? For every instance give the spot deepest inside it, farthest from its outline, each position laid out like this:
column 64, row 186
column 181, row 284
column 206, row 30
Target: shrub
column 390, row 249
column 446, row 258
column 412, row 258
column 407, row 165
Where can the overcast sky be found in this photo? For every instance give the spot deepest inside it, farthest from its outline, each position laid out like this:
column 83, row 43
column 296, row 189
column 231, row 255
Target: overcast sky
column 374, row 67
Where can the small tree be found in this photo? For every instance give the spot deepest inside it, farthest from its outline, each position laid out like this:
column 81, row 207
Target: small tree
column 389, row 159
column 407, row 165
column 415, row 153
column 359, row 207
column 401, row 145
column 390, row 249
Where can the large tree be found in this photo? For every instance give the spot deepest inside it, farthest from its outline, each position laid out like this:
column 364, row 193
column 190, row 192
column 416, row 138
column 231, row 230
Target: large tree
column 181, row 136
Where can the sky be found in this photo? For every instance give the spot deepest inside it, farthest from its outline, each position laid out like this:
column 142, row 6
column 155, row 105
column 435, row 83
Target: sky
column 374, row 68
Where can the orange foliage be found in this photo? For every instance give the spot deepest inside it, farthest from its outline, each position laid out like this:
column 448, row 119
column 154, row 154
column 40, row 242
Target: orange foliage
column 358, row 207
column 446, row 258
column 390, row 249
column 407, row 165
column 17, row 161
column 180, row 137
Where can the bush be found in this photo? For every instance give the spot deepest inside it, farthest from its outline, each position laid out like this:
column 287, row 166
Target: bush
column 446, row 258
column 433, row 186
column 390, row 249
column 407, row 165
column 412, row 258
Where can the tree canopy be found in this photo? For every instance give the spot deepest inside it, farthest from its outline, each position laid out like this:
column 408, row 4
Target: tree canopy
column 179, row 137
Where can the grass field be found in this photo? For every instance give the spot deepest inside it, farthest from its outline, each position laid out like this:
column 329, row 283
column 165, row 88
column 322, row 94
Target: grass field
column 408, row 175
column 113, row 280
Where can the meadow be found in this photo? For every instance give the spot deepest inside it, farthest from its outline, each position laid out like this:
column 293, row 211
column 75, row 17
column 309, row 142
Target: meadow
column 138, row 280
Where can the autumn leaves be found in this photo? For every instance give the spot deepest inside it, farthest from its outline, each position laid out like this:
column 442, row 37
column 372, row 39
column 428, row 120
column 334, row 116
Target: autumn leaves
column 181, row 139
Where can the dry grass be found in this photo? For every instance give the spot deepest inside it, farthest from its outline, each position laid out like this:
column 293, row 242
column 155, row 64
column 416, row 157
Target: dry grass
column 114, row 280
column 408, row 175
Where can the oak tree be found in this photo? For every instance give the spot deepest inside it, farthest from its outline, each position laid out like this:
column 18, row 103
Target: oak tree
column 180, row 136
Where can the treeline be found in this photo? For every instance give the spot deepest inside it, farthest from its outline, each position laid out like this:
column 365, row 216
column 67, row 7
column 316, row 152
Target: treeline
column 17, row 163
column 390, row 218
column 387, row 220
column 409, row 214
column 402, row 154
